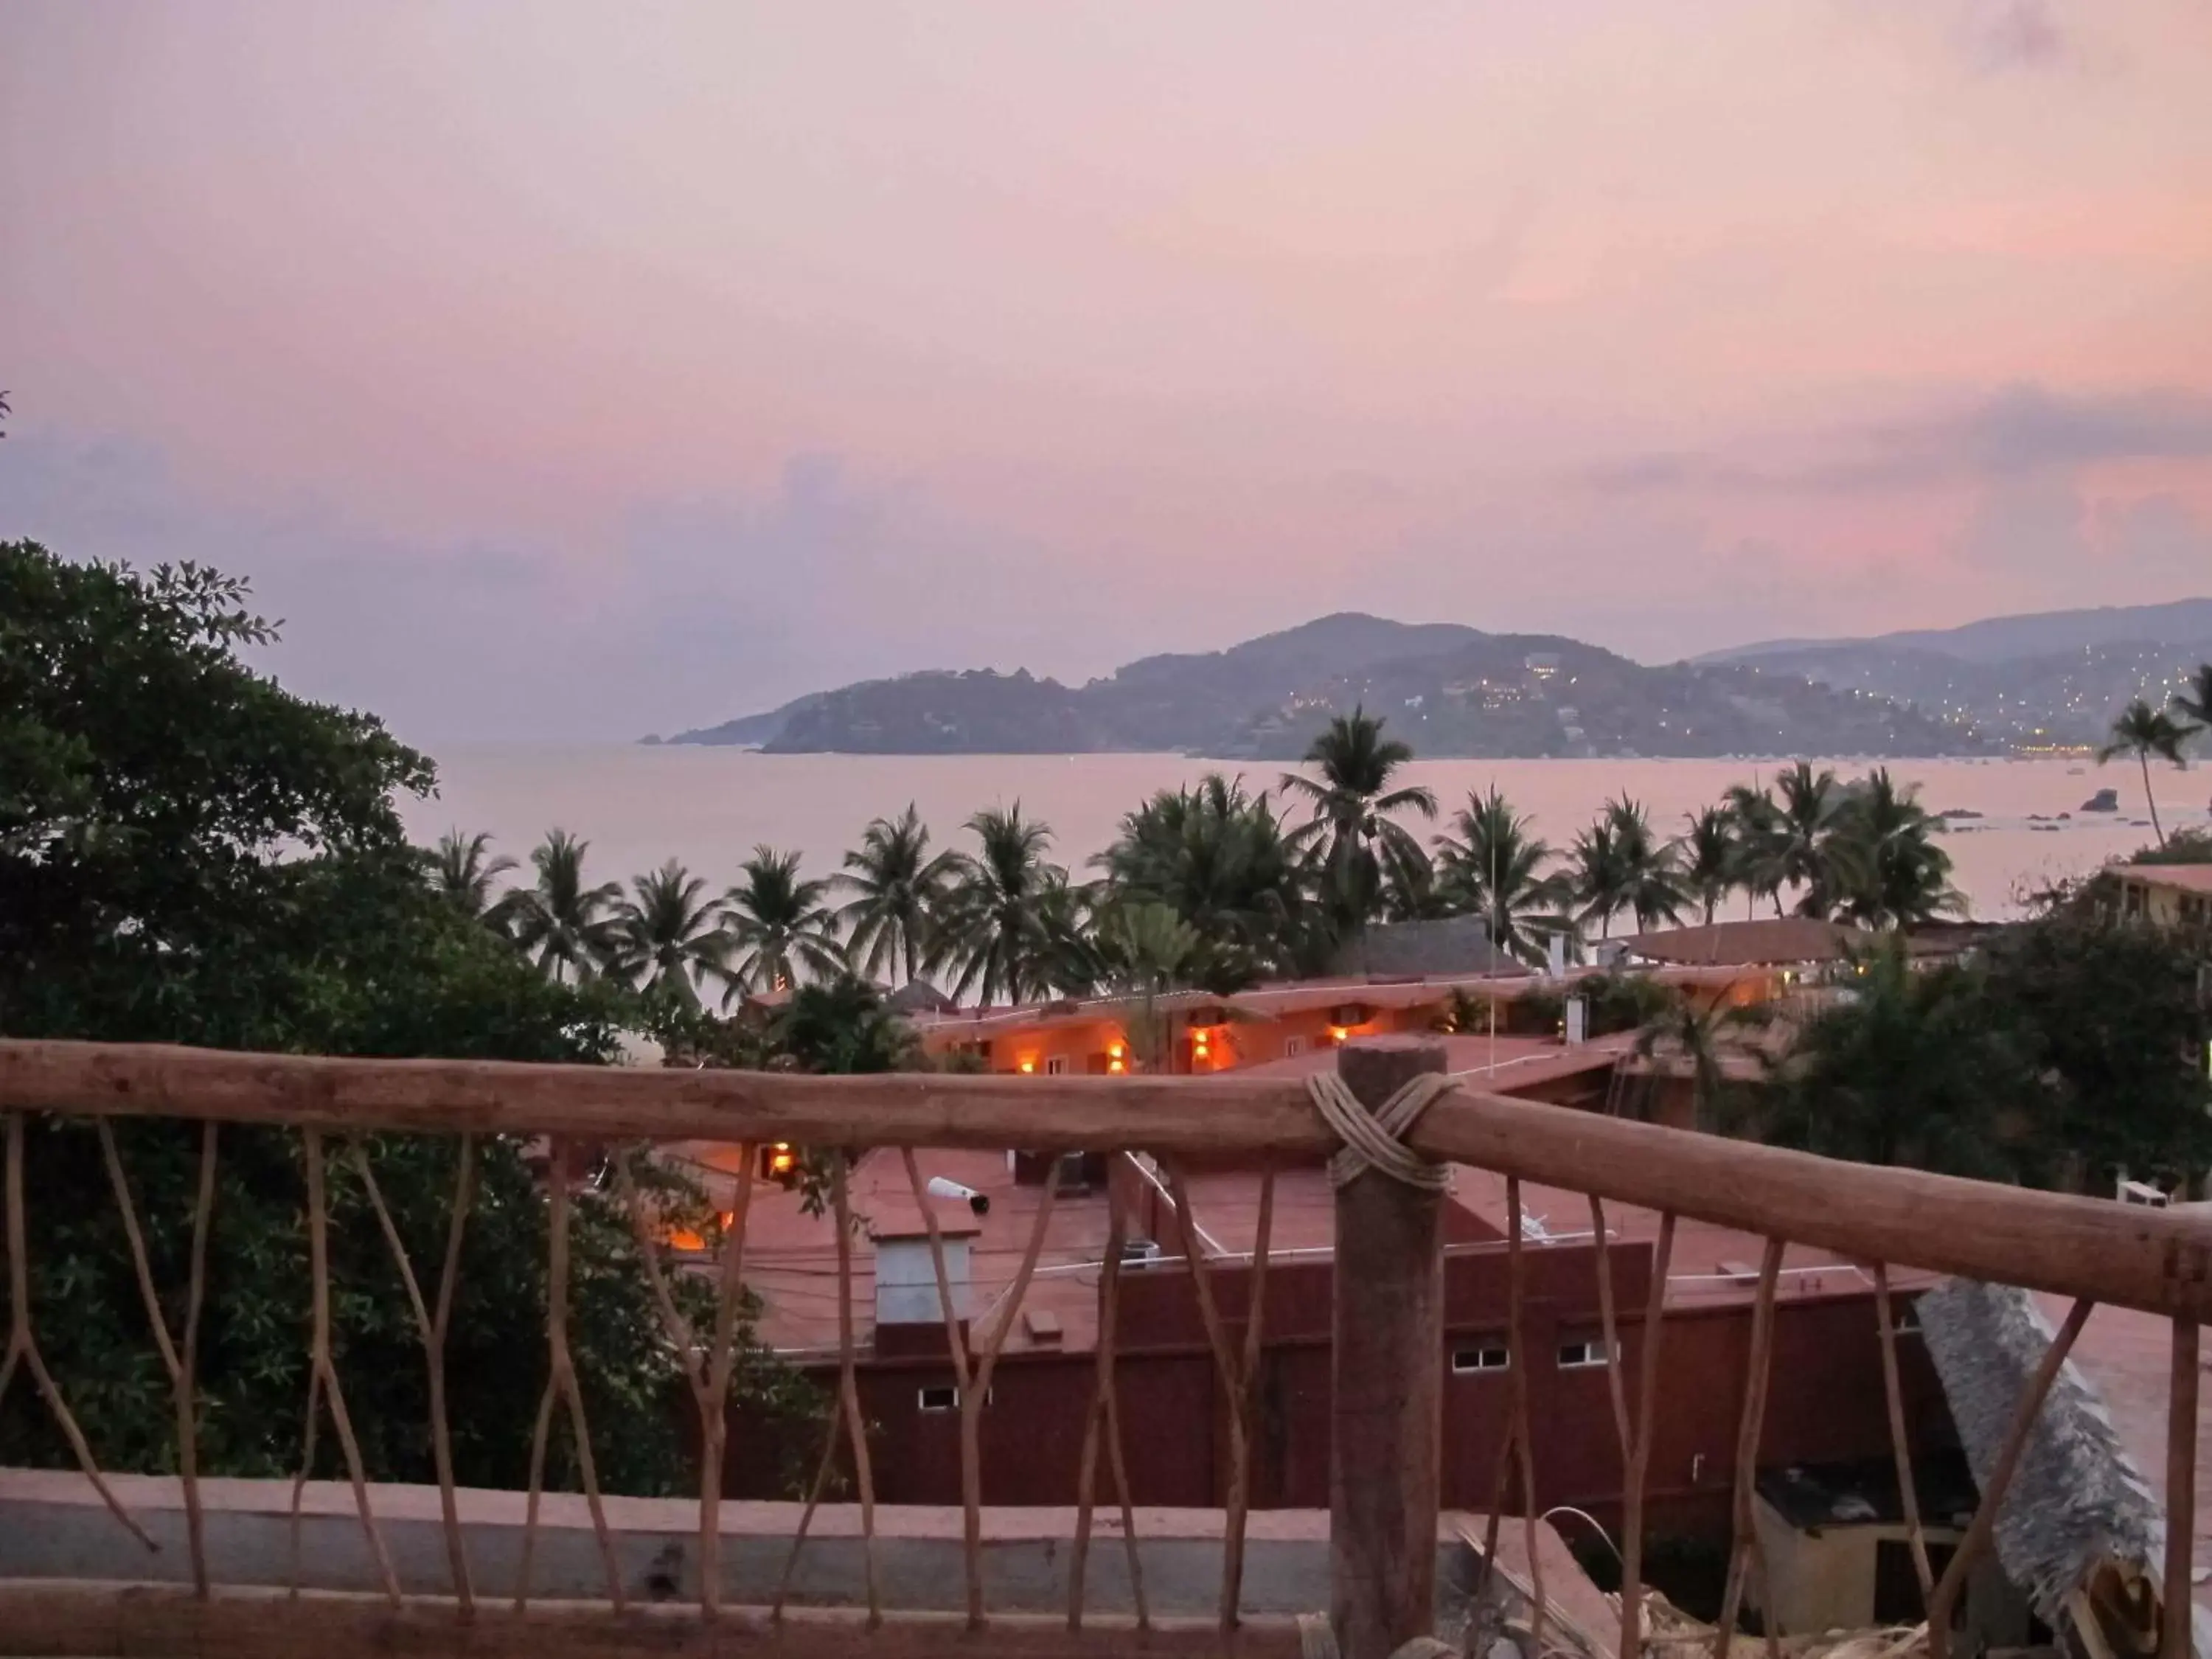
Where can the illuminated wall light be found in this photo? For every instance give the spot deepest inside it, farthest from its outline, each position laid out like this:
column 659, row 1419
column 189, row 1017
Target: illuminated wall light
column 1028, row 1063
column 1338, row 1033
column 1115, row 1051
column 1116, row 1065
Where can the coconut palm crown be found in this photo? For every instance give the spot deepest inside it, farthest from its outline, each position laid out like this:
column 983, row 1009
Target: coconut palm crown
column 564, row 921
column 780, row 925
column 897, row 886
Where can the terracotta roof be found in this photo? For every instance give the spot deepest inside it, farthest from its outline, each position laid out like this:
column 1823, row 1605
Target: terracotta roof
column 791, row 1258
column 1770, row 940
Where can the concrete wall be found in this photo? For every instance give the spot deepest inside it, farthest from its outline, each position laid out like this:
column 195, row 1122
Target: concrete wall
column 53, row 1525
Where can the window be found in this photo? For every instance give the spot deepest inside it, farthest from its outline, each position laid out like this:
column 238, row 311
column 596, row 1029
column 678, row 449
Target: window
column 1487, row 1356
column 945, row 1397
column 1056, row 1065
column 1293, row 1047
column 1577, row 1356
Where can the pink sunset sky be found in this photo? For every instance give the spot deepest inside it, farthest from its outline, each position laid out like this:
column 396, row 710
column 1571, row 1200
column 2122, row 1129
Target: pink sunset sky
column 578, row 370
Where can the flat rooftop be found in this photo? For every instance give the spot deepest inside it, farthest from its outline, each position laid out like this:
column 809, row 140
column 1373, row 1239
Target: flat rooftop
column 791, row 1260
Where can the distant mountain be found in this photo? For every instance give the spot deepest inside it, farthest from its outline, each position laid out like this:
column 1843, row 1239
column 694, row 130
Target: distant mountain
column 1449, row 690
column 749, row 731
column 2006, row 639
column 2053, row 679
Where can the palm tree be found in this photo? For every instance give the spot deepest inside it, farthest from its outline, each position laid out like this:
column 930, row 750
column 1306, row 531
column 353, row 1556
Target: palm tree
column 2142, row 731
column 1594, row 871
column 1146, row 951
column 1756, row 822
column 1352, row 802
column 666, row 938
column 1712, row 858
column 1704, row 1038
column 779, row 925
column 1883, row 864
column 1219, row 858
column 2193, row 703
column 1806, row 806
column 559, row 919
column 1493, row 867
column 1409, row 891
column 996, row 935
column 462, row 869
column 897, row 887
column 1621, row 866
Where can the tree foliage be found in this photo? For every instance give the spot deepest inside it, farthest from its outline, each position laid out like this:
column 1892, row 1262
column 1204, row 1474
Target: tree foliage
column 189, row 854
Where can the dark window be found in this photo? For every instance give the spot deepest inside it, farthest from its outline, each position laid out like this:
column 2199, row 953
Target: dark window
column 1577, row 1356
column 945, row 1398
column 1485, row 1357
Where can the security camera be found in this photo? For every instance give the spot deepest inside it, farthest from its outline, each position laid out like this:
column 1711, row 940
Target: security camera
column 940, row 1187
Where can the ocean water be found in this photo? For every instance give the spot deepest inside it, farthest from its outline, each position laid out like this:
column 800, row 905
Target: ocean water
column 639, row 805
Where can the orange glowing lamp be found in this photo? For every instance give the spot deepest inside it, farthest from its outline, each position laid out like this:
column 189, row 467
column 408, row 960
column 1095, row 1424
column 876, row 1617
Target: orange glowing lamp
column 782, row 1161
column 1027, row 1064
column 1116, row 1065
column 1115, row 1051
column 1338, row 1033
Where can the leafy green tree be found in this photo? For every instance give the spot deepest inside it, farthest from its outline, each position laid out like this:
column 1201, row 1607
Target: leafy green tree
column 1006, row 907
column 463, row 869
column 1908, row 1068
column 1352, row 802
column 1489, row 864
column 1884, row 866
column 2144, row 731
column 1712, row 859
column 666, row 941
column 779, row 924
column 841, row 1024
column 567, row 923
column 897, row 886
column 188, row 854
column 2114, row 1013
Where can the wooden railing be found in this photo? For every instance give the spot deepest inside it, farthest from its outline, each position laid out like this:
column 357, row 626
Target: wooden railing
column 1386, row 1333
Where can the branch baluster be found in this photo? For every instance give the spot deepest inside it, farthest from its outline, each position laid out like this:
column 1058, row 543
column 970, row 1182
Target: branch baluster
column 183, row 1368
column 432, row 1327
column 1105, row 1415
column 23, row 1343
column 560, row 1385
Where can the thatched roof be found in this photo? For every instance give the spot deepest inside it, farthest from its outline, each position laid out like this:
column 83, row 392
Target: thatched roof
column 2077, row 1502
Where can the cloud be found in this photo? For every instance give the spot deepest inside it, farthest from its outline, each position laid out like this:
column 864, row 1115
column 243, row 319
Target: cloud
column 2021, row 431
column 688, row 611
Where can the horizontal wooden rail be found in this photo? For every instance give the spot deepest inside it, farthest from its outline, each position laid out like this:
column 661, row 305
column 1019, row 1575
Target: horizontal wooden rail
column 2160, row 1261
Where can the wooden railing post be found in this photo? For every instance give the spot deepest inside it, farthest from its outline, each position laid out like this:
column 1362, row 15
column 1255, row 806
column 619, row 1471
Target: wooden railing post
column 1387, row 1376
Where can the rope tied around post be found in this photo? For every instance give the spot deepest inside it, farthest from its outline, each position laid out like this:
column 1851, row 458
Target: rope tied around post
column 1375, row 1140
